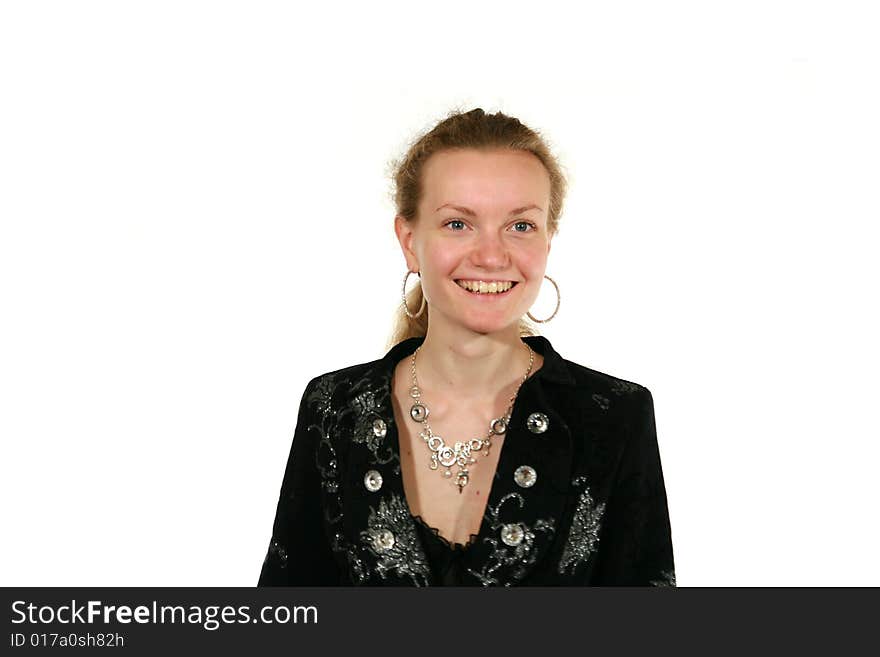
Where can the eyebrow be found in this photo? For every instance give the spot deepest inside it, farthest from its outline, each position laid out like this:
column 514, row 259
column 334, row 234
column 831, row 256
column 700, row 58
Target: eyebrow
column 471, row 213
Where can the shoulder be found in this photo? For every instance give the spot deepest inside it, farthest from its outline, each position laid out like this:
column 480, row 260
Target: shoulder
column 589, row 378
column 606, row 407
column 618, row 414
column 349, row 373
column 341, row 386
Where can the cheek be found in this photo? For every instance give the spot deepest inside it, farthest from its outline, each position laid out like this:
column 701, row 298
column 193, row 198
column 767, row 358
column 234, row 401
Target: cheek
column 442, row 263
column 438, row 269
column 533, row 264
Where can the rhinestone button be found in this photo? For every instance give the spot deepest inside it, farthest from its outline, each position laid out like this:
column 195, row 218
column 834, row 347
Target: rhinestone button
column 379, row 428
column 383, row 540
column 373, row 480
column 537, row 423
column 525, row 476
column 512, row 534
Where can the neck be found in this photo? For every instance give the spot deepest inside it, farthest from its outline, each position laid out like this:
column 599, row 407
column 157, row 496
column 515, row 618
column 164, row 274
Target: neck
column 473, row 365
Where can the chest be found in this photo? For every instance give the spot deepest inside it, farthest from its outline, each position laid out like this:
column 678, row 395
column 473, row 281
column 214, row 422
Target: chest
column 429, row 493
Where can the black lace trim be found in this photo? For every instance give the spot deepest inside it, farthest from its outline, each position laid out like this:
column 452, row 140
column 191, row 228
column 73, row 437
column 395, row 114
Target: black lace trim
column 451, row 546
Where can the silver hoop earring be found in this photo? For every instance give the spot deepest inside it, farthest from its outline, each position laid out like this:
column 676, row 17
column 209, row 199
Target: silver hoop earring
column 558, row 301
column 403, row 303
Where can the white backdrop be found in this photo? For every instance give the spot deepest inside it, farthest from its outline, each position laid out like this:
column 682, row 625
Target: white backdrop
column 196, row 221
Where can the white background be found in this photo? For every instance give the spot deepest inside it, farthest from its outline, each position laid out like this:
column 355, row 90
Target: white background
column 196, row 221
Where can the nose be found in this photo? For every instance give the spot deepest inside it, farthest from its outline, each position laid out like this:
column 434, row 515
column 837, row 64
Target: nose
column 490, row 252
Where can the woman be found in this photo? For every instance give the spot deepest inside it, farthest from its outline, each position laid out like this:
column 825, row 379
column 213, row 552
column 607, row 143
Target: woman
column 472, row 453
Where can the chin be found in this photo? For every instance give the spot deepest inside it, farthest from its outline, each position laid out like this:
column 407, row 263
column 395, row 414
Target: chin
column 489, row 327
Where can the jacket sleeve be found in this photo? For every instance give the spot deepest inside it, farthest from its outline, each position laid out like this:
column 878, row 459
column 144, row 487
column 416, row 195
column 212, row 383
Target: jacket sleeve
column 637, row 543
column 299, row 553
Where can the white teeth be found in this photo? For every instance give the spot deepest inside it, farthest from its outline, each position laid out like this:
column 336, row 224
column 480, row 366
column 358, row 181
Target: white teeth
column 482, row 287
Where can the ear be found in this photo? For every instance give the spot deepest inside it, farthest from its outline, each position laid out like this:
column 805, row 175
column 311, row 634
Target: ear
column 405, row 235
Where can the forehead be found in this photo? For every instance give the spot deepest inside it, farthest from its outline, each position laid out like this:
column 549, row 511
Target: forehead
column 485, row 177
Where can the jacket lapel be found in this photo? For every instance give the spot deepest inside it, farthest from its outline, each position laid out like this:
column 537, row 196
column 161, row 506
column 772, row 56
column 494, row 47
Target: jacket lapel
column 521, row 519
column 378, row 525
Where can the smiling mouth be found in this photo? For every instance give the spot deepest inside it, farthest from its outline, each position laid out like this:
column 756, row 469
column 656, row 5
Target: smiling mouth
column 481, row 288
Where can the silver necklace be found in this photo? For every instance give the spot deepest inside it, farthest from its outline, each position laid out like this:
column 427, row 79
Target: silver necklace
column 460, row 453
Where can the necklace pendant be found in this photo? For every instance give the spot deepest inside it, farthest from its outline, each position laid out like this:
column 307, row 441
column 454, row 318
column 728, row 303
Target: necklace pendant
column 462, row 480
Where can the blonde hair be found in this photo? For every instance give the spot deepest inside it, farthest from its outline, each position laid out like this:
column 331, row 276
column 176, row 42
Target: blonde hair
column 473, row 129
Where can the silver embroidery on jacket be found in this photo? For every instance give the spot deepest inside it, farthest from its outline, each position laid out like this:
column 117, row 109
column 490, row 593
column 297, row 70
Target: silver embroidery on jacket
column 517, row 557
column 322, row 394
column 278, row 551
column 667, row 578
column 359, row 572
column 368, row 405
column 326, row 460
column 327, row 463
column 584, row 534
column 391, row 537
column 603, row 402
column 620, row 387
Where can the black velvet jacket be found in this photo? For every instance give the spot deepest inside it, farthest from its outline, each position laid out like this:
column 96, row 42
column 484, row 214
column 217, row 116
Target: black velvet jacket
column 595, row 515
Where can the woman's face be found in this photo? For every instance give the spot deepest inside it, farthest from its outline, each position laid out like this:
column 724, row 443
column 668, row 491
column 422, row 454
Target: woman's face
column 482, row 217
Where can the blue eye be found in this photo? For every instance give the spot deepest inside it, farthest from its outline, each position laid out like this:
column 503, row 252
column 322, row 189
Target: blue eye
column 527, row 223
